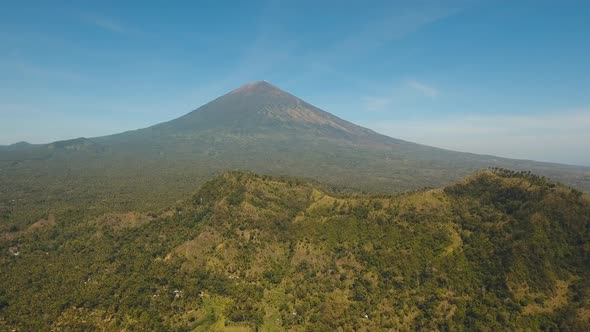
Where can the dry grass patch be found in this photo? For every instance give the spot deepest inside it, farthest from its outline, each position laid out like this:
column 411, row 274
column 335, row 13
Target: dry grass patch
column 123, row 220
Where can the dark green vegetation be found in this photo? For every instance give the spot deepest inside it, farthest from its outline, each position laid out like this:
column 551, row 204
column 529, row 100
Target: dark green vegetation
column 497, row 251
column 255, row 128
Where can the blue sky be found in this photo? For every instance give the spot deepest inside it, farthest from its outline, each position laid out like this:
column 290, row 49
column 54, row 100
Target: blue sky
column 510, row 78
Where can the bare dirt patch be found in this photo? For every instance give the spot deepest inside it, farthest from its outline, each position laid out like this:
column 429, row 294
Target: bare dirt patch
column 43, row 223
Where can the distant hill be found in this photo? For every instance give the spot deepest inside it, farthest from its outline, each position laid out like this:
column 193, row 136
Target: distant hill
column 257, row 127
column 499, row 250
column 15, row 146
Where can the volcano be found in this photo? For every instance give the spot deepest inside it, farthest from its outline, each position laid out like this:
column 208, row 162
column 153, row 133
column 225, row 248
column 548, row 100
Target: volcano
column 259, row 128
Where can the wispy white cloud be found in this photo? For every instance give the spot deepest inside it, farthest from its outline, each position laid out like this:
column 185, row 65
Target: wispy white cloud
column 556, row 136
column 107, row 24
column 376, row 103
column 392, row 25
column 27, row 68
column 403, row 90
column 423, row 88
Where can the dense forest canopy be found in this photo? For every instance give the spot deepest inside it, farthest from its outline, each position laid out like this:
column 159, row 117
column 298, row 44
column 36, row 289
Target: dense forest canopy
column 498, row 250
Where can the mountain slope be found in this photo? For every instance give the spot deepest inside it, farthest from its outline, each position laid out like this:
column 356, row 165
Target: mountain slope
column 499, row 250
column 257, row 127
column 261, row 106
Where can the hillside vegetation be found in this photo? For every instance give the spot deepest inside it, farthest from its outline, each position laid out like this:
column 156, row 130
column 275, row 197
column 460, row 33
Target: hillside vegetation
column 498, row 250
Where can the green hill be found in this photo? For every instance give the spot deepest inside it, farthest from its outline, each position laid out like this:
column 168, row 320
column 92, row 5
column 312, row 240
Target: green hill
column 499, row 250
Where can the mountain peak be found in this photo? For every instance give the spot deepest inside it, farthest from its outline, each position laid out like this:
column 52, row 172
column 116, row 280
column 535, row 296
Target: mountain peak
column 262, row 83
column 261, row 107
column 258, row 87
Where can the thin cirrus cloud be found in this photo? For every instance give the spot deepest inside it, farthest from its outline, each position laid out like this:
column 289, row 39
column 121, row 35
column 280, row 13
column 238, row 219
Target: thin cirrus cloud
column 536, row 136
column 423, row 88
column 29, row 69
column 107, row 24
column 406, row 89
column 391, row 26
column 376, row 103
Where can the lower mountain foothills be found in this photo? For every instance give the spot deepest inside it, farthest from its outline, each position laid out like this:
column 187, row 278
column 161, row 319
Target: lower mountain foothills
column 499, row 250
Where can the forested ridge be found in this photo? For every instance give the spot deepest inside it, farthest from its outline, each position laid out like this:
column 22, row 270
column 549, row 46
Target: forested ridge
column 499, row 250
